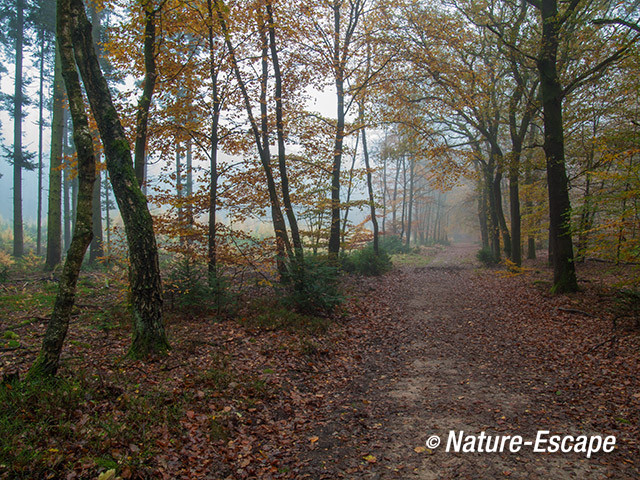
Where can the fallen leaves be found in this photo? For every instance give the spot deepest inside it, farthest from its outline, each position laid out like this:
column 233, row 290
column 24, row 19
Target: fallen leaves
column 257, row 404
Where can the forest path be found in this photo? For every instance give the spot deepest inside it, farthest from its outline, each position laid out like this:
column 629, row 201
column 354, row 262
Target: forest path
column 454, row 359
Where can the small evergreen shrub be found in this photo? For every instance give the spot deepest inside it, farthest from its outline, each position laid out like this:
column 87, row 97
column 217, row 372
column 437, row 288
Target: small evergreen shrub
column 366, row 262
column 486, row 257
column 312, row 289
column 392, row 244
column 190, row 287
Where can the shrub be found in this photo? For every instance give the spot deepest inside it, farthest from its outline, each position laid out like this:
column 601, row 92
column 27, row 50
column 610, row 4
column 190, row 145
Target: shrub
column 366, row 262
column 189, row 285
column 392, row 244
column 486, row 257
column 312, row 289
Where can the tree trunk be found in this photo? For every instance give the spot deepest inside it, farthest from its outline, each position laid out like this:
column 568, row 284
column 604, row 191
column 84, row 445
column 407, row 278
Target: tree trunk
column 146, row 287
column 482, row 212
column 40, row 143
column 47, row 361
column 347, row 206
column 107, row 215
column 394, row 202
column 18, row 157
column 404, row 196
column 409, row 214
column 372, row 202
column 384, row 192
column 54, row 215
column 494, row 225
column 564, row 275
column 212, row 266
column 284, row 178
column 282, row 239
column 67, row 186
column 96, row 249
column 334, row 233
column 144, row 103
column 528, row 205
column 502, row 223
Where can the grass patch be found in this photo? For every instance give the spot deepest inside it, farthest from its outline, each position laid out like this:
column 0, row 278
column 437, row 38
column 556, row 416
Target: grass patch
column 269, row 316
column 411, row 259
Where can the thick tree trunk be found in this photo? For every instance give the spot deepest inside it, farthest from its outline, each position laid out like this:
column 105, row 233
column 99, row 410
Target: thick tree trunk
column 54, row 215
column 483, row 217
column 334, row 233
column 564, row 275
column 494, row 225
column 18, row 240
column 96, row 249
column 47, row 361
column 497, row 193
column 146, row 287
column 338, row 66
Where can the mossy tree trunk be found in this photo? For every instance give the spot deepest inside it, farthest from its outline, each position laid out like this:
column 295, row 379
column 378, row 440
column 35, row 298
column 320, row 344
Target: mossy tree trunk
column 146, row 287
column 54, row 215
column 48, row 359
column 150, row 76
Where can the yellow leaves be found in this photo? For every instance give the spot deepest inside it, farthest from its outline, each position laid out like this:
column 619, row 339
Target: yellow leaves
column 370, row 458
column 108, row 475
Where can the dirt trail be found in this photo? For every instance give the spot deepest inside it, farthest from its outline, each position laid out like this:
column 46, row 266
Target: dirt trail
column 453, row 365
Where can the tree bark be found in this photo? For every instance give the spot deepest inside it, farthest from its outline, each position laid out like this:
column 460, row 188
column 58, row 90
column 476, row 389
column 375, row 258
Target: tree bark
column 54, row 215
column 96, row 249
column 48, row 359
column 564, row 275
column 372, row 202
column 146, row 287
column 410, row 210
column 282, row 165
column 40, row 142
column 347, row 207
column 282, row 239
column 212, row 265
column 144, row 104
column 18, row 157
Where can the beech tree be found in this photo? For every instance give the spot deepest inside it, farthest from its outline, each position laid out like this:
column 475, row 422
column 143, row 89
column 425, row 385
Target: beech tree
column 146, row 287
column 48, row 359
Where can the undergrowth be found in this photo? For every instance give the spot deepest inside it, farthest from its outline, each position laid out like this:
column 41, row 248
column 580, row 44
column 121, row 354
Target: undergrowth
column 81, row 424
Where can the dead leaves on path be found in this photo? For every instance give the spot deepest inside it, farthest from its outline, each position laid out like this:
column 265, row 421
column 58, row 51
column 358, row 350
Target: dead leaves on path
column 256, row 403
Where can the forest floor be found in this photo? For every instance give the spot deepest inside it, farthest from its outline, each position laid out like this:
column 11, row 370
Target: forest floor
column 437, row 345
